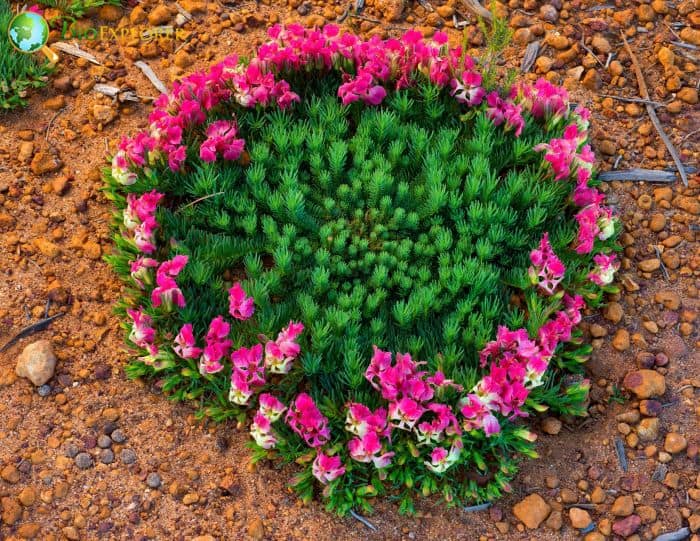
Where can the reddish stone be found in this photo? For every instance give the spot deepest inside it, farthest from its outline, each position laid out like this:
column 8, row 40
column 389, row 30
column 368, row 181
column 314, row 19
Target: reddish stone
column 627, row 526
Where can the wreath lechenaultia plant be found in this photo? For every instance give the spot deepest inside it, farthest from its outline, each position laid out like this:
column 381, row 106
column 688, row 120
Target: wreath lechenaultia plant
column 381, row 260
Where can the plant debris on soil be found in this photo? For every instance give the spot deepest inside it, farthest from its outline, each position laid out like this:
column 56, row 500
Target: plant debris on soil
column 91, row 455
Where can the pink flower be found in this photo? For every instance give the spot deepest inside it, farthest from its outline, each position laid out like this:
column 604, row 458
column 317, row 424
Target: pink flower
column 555, row 331
column 327, row 468
column 140, row 209
column 403, row 379
column 176, row 158
column 141, row 273
column 144, row 236
column 439, row 381
column 562, row 154
column 218, row 329
column 280, row 354
column 240, row 306
column 241, row 390
column 511, row 344
column 216, row 346
column 361, row 88
column 584, row 196
column 167, row 293
column 360, row 420
column 142, row 334
column 304, row 418
column 367, row 449
column 120, row 170
column 405, row 413
column 186, row 345
column 543, row 100
column 574, row 305
column 594, row 221
column 505, row 112
column 547, row 270
column 605, row 269
column 380, row 362
column 271, row 407
column 444, row 423
column 221, row 139
column 469, row 90
column 261, row 430
column 441, row 459
column 191, row 113
column 477, row 414
column 174, row 266
column 249, row 362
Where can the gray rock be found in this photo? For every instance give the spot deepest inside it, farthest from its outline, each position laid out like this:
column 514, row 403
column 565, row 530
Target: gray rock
column 44, row 390
column 37, row 362
column 104, row 441
column 118, row 436
column 153, row 480
column 71, row 450
column 83, row 461
column 106, row 456
column 110, row 426
column 128, row 456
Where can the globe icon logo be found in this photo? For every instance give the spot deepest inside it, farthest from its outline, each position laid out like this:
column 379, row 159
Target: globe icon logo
column 28, row 32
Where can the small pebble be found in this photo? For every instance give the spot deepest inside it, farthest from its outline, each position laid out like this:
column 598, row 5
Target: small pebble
column 128, row 456
column 44, row 390
column 118, row 436
column 153, row 480
column 71, row 450
column 83, row 461
column 104, row 441
column 110, row 426
column 106, row 456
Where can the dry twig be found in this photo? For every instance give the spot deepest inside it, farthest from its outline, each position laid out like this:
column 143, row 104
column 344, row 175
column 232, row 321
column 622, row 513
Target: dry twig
column 116, row 93
column 363, row 520
column 661, row 262
column 678, row 535
column 652, row 113
column 477, row 9
column 476, row 508
column 531, row 52
column 588, row 49
column 54, row 117
column 75, row 51
column 687, row 135
column 646, row 175
column 686, row 45
column 31, row 329
column 151, row 76
column 581, row 505
column 182, row 11
column 620, row 451
column 198, row 200
column 633, row 100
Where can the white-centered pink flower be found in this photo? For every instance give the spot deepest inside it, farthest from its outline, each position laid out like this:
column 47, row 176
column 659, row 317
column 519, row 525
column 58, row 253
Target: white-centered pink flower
column 327, row 468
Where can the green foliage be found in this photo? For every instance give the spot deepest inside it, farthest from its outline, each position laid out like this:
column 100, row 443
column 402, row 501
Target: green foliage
column 371, row 226
column 407, row 226
column 497, row 36
column 18, row 72
column 77, row 8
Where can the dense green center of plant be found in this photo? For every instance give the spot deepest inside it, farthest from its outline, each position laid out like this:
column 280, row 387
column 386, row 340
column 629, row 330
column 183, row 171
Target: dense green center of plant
column 371, row 226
